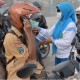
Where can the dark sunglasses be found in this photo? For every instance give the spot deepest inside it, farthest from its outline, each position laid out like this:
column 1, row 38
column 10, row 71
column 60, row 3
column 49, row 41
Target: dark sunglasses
column 58, row 10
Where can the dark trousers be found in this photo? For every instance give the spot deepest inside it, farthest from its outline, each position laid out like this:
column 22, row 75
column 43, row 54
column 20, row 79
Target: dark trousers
column 59, row 60
column 38, row 54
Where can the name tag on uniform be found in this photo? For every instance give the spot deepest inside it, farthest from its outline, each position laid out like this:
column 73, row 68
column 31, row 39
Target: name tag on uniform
column 20, row 50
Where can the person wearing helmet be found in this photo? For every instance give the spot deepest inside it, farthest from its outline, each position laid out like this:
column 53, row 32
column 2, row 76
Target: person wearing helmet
column 40, row 18
column 17, row 52
column 78, row 18
column 78, row 33
column 2, row 34
column 1, row 26
column 78, row 22
column 42, row 23
column 62, row 33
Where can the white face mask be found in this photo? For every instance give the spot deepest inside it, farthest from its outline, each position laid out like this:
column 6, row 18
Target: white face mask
column 59, row 15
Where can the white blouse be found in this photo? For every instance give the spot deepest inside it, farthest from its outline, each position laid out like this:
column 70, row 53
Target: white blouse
column 63, row 44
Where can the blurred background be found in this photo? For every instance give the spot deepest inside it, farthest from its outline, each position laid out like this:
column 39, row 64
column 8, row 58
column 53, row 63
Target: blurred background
column 48, row 6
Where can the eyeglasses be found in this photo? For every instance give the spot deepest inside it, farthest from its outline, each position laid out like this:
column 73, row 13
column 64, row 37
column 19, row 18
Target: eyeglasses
column 58, row 10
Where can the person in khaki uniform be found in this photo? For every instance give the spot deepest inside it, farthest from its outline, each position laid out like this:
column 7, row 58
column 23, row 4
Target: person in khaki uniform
column 17, row 54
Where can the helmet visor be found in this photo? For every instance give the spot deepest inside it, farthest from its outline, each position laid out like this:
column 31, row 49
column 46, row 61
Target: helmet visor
column 35, row 16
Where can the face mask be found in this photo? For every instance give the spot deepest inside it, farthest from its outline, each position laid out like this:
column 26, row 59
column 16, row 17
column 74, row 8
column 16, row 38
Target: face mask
column 34, row 24
column 59, row 15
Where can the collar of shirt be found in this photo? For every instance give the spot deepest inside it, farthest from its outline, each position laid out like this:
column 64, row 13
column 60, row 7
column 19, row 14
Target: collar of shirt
column 17, row 31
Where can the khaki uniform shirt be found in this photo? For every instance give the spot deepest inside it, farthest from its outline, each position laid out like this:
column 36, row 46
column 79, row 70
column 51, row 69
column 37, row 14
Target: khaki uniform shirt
column 14, row 47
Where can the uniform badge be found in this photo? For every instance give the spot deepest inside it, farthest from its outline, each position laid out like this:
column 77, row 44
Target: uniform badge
column 61, row 36
column 20, row 50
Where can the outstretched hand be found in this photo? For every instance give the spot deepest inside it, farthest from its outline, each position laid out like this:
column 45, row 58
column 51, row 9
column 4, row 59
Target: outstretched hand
column 46, row 41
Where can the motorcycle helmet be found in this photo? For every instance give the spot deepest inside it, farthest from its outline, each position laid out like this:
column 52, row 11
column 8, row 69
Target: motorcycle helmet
column 21, row 9
column 77, row 10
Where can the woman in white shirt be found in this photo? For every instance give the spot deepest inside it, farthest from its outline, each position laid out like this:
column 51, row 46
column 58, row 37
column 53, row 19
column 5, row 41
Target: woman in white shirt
column 62, row 33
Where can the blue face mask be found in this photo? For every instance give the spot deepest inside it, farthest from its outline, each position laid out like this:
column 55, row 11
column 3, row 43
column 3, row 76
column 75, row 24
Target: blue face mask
column 34, row 24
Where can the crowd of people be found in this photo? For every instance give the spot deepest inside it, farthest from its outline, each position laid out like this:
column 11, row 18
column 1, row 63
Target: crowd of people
column 28, row 25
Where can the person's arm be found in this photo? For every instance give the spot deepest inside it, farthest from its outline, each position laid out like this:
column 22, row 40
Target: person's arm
column 43, row 23
column 46, row 32
column 67, row 37
column 15, row 47
column 29, row 34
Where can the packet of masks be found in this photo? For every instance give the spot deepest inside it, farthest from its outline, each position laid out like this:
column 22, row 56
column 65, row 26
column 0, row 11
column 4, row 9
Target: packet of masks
column 40, row 37
column 34, row 24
